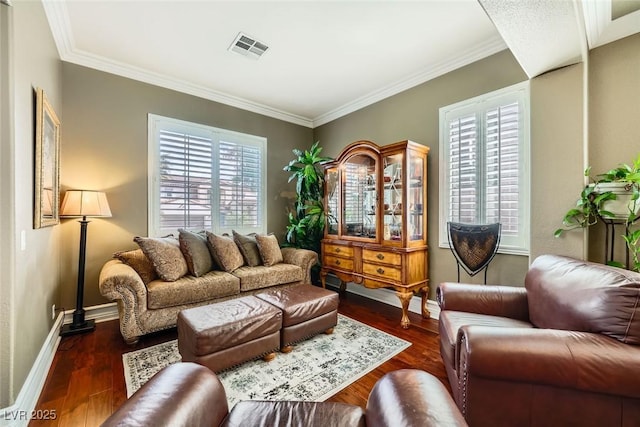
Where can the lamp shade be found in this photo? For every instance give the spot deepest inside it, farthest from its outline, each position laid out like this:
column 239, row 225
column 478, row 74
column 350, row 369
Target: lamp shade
column 85, row 203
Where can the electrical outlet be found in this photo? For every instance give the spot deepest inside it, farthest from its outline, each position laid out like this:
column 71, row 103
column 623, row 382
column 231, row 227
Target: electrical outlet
column 53, row 312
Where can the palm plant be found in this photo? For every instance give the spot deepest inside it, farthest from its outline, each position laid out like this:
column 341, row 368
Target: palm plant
column 306, row 224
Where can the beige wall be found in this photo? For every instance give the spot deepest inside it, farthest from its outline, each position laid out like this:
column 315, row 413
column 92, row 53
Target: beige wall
column 614, row 118
column 105, row 148
column 32, row 284
column 557, row 159
column 413, row 114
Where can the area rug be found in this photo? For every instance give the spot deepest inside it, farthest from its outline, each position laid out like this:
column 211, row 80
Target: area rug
column 315, row 370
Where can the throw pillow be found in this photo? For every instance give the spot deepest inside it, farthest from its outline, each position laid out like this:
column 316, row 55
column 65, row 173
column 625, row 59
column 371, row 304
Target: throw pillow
column 196, row 252
column 269, row 249
column 248, row 248
column 225, row 251
column 137, row 260
column 165, row 255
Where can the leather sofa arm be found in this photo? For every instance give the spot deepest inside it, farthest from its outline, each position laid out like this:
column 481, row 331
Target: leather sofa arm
column 301, row 257
column 566, row 359
column 410, row 397
column 182, row 394
column 504, row 301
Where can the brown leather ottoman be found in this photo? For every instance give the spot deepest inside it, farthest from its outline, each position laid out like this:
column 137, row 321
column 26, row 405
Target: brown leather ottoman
column 306, row 311
column 227, row 333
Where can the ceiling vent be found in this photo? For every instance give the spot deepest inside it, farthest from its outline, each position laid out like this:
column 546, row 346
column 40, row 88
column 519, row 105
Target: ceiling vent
column 248, row 46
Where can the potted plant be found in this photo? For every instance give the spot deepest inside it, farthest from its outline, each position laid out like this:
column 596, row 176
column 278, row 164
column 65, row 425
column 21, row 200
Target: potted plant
column 613, row 195
column 306, row 223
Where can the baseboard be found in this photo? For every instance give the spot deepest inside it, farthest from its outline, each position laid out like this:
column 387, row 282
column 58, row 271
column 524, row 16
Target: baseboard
column 99, row 313
column 20, row 412
column 387, row 296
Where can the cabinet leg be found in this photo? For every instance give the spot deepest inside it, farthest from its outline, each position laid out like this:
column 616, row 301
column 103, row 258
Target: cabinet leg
column 323, row 279
column 404, row 297
column 425, row 298
column 343, row 286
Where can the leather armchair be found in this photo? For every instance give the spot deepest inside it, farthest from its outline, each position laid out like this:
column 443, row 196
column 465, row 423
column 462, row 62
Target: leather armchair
column 187, row 394
column 563, row 350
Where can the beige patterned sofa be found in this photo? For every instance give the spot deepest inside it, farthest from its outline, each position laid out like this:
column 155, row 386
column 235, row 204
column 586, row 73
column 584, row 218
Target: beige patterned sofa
column 145, row 308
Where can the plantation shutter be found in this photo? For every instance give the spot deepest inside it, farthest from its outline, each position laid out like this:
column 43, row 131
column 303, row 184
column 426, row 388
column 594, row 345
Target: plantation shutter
column 240, row 178
column 463, row 169
column 502, row 134
column 185, row 180
column 484, row 158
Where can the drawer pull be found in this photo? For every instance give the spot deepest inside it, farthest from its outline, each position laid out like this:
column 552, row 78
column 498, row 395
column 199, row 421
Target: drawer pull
column 380, row 256
column 380, row 271
column 337, row 249
column 337, row 262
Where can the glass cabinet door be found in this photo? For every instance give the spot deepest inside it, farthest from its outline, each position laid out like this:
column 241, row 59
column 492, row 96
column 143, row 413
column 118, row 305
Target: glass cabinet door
column 331, row 209
column 360, row 199
column 392, row 195
column 415, row 195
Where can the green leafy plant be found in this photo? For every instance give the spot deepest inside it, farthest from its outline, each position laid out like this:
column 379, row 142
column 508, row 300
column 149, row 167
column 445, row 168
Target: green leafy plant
column 593, row 201
column 306, row 223
column 588, row 209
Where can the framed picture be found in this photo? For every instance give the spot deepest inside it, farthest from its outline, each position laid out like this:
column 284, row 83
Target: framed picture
column 47, row 164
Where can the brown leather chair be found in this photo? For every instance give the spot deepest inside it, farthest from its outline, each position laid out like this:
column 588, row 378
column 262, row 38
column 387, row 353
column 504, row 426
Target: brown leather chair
column 562, row 351
column 187, row 394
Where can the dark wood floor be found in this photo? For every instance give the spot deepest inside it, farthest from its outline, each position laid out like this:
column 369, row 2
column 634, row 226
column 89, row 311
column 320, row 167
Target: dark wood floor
column 86, row 381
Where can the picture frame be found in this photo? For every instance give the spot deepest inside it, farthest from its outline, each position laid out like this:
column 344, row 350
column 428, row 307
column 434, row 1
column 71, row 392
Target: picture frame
column 47, row 164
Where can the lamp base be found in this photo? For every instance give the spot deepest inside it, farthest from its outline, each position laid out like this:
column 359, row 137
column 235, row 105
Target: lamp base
column 81, row 328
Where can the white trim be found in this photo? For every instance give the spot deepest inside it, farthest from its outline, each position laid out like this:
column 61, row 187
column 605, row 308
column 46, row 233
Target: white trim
column 599, row 26
column 30, row 393
column 58, row 17
column 99, row 313
column 521, row 93
column 17, row 414
column 387, row 296
column 467, row 57
column 156, row 123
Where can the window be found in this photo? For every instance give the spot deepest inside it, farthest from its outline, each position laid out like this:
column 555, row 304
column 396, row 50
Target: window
column 484, row 158
column 205, row 178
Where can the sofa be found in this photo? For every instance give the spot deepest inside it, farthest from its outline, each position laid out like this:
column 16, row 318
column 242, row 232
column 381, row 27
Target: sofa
column 187, row 394
column 152, row 284
column 564, row 350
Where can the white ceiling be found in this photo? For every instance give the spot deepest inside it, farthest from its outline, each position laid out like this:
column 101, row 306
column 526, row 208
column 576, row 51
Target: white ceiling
column 325, row 58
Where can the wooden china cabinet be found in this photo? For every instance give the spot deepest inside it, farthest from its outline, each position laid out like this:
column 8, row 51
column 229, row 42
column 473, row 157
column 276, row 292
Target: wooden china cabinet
column 376, row 232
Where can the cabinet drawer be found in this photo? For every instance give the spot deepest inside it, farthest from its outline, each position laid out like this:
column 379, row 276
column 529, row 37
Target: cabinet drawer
column 343, row 251
column 389, row 273
column 336, row 262
column 381, row 256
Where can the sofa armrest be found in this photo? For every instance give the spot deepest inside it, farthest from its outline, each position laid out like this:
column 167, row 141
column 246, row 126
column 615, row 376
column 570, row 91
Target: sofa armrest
column 121, row 283
column 182, row 394
column 566, row 359
column 117, row 279
column 301, row 257
column 410, row 397
column 504, row 301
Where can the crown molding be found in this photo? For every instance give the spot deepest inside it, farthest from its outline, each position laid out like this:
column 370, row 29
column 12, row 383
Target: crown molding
column 466, row 57
column 601, row 29
column 597, row 16
column 58, row 17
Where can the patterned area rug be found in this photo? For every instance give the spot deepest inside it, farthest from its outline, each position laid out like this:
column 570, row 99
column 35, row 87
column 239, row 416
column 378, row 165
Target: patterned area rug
column 315, row 370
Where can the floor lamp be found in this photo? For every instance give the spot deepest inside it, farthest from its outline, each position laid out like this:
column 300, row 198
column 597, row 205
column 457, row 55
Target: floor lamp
column 82, row 203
